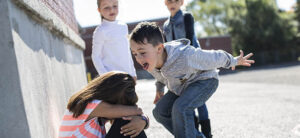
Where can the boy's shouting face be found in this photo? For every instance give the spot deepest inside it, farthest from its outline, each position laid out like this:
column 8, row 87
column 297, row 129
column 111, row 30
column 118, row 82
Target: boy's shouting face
column 147, row 55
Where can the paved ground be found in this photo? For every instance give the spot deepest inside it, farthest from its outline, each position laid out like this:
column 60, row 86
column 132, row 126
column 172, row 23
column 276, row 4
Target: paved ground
column 257, row 103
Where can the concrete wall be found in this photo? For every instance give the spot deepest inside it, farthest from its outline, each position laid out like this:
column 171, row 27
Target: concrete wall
column 41, row 65
column 12, row 112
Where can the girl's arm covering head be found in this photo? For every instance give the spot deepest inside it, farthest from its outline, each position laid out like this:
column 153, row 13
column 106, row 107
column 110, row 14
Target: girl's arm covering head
column 113, row 87
column 115, row 110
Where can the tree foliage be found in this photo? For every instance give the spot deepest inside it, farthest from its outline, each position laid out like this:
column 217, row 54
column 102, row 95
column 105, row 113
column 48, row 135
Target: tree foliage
column 211, row 15
column 254, row 25
column 297, row 12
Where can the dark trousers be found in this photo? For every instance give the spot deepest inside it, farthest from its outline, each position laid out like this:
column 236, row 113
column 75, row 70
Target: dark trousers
column 114, row 131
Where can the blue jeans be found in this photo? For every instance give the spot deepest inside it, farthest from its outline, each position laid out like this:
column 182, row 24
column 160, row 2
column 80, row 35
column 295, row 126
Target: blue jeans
column 176, row 113
column 202, row 112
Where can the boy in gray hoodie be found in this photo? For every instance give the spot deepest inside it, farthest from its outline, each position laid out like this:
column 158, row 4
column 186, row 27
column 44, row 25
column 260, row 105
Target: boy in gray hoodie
column 189, row 73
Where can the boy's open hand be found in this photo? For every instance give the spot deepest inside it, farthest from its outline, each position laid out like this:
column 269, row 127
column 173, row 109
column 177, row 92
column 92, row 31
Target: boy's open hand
column 243, row 60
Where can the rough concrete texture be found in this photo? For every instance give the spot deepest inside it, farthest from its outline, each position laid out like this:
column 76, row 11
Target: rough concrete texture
column 49, row 19
column 39, row 72
column 13, row 121
column 259, row 103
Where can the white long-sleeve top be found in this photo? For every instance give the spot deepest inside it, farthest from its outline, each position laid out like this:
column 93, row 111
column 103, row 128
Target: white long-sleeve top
column 111, row 48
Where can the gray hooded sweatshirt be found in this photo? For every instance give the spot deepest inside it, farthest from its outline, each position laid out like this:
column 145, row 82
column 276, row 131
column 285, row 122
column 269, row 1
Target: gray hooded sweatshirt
column 186, row 64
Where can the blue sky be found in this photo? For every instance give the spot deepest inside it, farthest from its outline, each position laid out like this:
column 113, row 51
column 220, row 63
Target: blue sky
column 134, row 10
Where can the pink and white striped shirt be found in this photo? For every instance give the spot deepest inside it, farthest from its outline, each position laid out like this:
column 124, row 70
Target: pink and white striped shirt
column 77, row 127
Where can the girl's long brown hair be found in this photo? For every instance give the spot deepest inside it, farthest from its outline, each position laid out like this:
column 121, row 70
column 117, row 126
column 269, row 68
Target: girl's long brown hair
column 112, row 87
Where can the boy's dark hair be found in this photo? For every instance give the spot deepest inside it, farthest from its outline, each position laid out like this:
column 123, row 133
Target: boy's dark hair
column 147, row 32
column 112, row 87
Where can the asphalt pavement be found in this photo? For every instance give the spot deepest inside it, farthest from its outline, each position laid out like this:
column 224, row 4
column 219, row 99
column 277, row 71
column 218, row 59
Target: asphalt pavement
column 261, row 102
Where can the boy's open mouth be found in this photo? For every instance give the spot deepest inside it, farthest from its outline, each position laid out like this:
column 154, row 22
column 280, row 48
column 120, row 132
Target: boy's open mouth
column 145, row 66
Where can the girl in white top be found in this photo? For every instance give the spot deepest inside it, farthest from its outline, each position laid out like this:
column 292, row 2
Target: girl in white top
column 110, row 44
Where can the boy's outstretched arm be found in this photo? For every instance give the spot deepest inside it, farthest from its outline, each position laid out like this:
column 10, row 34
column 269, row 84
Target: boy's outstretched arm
column 243, row 60
column 212, row 59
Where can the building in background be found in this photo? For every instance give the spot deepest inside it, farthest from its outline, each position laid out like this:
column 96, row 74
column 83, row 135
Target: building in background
column 217, row 42
column 41, row 66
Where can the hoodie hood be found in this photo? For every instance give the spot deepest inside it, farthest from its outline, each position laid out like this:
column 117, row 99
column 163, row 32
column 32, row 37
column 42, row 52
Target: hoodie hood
column 174, row 49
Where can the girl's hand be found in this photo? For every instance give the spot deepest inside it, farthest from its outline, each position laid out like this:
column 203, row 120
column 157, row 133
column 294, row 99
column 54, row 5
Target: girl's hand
column 158, row 96
column 134, row 127
column 243, row 60
column 139, row 111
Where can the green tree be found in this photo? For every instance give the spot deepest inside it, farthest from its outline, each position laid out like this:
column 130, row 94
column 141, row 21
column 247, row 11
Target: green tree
column 297, row 12
column 264, row 32
column 297, row 18
column 254, row 25
column 211, row 15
